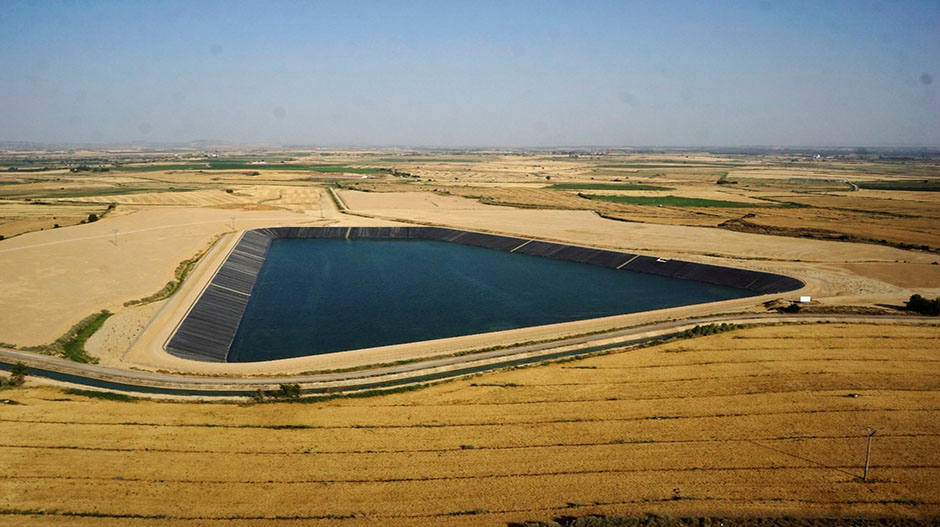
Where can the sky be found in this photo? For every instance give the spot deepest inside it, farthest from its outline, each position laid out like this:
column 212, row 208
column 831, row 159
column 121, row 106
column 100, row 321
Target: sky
column 472, row 74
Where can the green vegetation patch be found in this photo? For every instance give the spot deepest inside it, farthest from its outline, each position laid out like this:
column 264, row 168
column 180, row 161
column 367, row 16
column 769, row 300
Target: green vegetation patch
column 291, row 393
column 108, row 396
column 335, row 198
column 673, row 201
column 404, row 159
column 708, row 329
column 72, row 344
column 245, row 165
column 920, row 185
column 18, row 373
column 182, row 271
column 75, row 346
column 697, row 164
column 606, row 186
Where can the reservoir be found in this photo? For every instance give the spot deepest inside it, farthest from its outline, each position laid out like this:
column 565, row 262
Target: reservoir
column 316, row 296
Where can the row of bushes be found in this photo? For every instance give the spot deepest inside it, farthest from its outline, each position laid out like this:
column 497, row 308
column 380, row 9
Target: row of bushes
column 708, row 329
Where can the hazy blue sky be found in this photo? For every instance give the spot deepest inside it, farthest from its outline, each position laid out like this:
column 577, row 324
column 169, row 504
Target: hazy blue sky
column 512, row 73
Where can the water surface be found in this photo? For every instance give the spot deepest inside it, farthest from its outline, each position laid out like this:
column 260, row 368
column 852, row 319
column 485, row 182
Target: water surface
column 316, row 296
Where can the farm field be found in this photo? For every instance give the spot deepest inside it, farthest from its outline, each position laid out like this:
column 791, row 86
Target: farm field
column 22, row 217
column 789, row 211
column 765, row 421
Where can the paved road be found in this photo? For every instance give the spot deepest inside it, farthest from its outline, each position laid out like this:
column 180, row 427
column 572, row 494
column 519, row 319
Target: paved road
column 92, row 375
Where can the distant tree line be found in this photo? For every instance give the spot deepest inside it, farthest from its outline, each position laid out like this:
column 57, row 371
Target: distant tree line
column 86, row 168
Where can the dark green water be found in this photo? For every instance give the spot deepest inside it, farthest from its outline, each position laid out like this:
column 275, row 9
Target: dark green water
column 323, row 296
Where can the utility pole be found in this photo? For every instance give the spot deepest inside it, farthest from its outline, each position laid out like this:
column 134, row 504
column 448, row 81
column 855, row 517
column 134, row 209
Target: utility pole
column 871, row 432
column 233, row 223
column 115, row 237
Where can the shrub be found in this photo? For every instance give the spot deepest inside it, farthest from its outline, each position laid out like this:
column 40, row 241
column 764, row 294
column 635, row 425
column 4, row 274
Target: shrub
column 92, row 217
column 289, row 391
column 924, row 306
column 18, row 374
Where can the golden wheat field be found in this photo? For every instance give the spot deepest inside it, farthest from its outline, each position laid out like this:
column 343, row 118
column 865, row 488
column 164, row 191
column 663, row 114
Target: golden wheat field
column 764, row 421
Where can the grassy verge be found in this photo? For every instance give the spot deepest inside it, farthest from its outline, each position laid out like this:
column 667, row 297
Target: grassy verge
column 71, row 345
column 171, row 287
column 707, row 329
column 425, row 359
column 335, row 198
column 274, row 396
column 74, row 347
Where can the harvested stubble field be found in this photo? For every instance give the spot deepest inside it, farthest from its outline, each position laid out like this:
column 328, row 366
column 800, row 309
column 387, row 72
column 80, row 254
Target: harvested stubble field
column 25, row 216
column 764, row 421
column 783, row 209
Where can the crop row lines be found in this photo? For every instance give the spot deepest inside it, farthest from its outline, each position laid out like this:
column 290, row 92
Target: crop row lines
column 342, row 516
column 615, row 442
column 815, row 466
column 469, row 425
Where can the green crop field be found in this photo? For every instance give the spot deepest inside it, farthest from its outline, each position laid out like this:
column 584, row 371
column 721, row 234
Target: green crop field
column 419, row 159
column 672, row 201
column 243, row 165
column 920, row 185
column 697, row 164
column 606, row 186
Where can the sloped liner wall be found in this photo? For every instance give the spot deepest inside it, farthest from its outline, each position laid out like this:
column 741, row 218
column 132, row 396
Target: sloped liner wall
column 207, row 331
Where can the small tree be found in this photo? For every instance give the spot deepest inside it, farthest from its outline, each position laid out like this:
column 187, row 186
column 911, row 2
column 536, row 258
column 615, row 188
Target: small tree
column 289, row 391
column 919, row 304
column 18, row 374
column 92, row 217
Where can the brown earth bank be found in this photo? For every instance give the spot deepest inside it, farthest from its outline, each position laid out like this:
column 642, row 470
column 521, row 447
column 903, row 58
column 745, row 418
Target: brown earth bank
column 766, row 422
